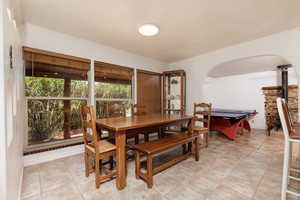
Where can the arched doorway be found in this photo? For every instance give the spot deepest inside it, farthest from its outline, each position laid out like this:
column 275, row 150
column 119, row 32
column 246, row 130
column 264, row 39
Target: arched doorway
column 237, row 84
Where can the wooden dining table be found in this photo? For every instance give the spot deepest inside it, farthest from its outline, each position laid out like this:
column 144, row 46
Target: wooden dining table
column 123, row 126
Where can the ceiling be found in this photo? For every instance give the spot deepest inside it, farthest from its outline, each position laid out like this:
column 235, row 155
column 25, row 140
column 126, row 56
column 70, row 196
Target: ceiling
column 187, row 28
column 247, row 65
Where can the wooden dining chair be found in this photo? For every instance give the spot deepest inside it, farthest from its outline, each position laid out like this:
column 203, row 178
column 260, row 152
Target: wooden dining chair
column 95, row 147
column 295, row 125
column 201, row 115
column 115, row 110
column 137, row 109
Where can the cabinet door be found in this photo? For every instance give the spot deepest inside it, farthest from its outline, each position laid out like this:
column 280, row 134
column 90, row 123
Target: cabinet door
column 149, row 90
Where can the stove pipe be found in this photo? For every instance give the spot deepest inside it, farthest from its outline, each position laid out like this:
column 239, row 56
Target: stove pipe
column 284, row 80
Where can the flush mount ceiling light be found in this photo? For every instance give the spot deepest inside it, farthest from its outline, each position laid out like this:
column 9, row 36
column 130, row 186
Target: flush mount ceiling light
column 148, row 30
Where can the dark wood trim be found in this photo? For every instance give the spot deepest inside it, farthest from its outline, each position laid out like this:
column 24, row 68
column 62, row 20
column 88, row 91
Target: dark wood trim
column 174, row 72
column 110, row 65
column 279, row 87
column 148, row 72
column 58, row 55
column 61, row 146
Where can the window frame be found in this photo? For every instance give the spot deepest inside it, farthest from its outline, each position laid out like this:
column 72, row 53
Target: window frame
column 90, row 100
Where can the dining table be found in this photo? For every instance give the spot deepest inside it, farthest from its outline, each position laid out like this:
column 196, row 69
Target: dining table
column 122, row 126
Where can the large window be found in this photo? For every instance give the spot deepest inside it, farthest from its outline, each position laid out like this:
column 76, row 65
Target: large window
column 111, row 93
column 51, row 116
column 55, row 86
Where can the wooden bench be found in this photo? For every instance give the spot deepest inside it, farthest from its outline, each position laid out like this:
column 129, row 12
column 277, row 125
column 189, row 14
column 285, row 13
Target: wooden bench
column 157, row 146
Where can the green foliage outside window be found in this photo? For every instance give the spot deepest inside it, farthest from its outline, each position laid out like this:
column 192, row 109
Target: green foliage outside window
column 46, row 117
column 112, row 90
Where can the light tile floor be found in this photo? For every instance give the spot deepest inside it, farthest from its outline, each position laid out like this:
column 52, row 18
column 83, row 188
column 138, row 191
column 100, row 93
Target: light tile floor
column 248, row 168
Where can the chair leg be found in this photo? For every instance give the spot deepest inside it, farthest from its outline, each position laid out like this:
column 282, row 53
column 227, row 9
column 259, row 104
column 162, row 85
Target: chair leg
column 159, row 133
column 149, row 171
column 197, row 149
column 86, row 163
column 97, row 171
column 146, row 137
column 290, row 154
column 285, row 170
column 136, row 139
column 183, row 148
column 137, row 164
column 111, row 162
column 190, row 147
column 206, row 139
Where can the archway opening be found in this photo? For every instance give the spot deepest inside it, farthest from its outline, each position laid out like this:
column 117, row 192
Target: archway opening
column 237, row 84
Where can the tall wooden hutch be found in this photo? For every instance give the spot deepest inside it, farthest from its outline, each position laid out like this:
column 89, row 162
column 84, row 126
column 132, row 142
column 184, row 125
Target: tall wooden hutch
column 174, row 86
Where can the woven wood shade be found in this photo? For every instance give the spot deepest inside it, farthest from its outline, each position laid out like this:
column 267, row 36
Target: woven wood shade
column 40, row 63
column 106, row 72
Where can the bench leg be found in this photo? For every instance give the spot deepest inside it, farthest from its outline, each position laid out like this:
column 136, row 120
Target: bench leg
column 137, row 164
column 196, row 145
column 149, row 171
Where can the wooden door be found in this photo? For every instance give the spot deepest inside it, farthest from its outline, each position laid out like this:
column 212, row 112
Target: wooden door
column 149, row 90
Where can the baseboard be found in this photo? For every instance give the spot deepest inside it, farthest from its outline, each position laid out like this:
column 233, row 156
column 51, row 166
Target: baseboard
column 42, row 157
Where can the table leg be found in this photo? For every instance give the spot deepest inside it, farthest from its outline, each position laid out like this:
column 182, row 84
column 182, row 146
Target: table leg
column 121, row 160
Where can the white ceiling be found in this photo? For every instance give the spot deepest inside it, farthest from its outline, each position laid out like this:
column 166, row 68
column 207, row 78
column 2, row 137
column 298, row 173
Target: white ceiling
column 187, row 28
column 247, row 65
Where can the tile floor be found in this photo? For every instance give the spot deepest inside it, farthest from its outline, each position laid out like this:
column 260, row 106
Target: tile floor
column 248, row 168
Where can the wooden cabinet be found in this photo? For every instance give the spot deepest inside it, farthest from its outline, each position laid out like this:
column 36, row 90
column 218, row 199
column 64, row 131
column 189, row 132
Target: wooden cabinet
column 174, row 92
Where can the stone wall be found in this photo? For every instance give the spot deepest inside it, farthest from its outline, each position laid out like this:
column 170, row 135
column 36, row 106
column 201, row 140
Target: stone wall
column 271, row 113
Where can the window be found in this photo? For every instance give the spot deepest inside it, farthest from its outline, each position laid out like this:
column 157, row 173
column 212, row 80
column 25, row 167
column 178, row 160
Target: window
column 112, row 85
column 55, row 86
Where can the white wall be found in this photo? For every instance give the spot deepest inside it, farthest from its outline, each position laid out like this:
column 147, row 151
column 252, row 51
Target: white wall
column 285, row 44
column 41, row 38
column 242, row 92
column 2, row 114
column 12, row 105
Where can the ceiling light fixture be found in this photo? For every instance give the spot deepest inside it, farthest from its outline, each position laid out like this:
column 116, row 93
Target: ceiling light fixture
column 148, row 30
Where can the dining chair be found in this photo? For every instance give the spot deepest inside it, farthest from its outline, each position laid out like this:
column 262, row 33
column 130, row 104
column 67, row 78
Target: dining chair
column 290, row 137
column 138, row 110
column 295, row 125
column 201, row 119
column 95, row 148
column 115, row 110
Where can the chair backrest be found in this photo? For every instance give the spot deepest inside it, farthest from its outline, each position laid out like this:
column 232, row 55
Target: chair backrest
column 115, row 110
column 286, row 107
column 88, row 121
column 137, row 109
column 284, row 118
column 202, row 113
